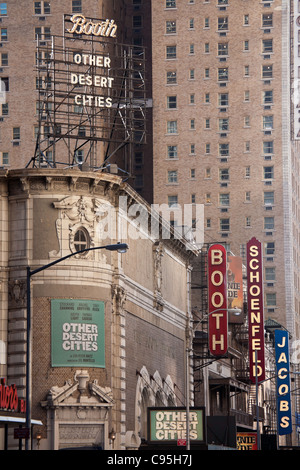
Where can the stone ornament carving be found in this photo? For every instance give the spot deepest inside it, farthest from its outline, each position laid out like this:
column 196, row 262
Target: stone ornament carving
column 78, row 212
column 90, row 393
column 17, row 293
column 158, row 253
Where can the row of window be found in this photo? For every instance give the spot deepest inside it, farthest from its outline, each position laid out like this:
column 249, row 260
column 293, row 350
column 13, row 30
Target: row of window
column 222, row 48
column 223, row 150
column 79, row 157
column 43, row 7
column 222, row 23
column 224, row 223
column 173, row 3
column 224, row 175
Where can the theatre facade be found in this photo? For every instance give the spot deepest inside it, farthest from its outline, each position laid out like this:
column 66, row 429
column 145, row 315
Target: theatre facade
column 108, row 329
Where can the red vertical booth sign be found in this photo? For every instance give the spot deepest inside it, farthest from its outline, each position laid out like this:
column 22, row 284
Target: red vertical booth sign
column 217, row 301
column 255, row 310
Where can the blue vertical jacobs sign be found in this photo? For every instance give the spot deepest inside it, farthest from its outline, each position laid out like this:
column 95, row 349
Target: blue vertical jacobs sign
column 284, row 413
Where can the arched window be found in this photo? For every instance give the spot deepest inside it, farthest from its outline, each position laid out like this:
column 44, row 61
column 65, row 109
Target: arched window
column 81, row 239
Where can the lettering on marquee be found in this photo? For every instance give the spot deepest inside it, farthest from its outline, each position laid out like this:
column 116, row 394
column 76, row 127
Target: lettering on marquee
column 217, row 293
column 284, row 410
column 255, row 310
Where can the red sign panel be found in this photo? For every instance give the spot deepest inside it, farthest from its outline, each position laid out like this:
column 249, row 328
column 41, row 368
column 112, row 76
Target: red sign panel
column 217, row 300
column 255, row 310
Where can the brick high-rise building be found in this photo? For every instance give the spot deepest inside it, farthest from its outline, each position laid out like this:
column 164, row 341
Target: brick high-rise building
column 225, row 130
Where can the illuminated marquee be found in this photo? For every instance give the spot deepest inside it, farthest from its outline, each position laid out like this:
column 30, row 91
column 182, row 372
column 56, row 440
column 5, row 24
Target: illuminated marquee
column 217, row 293
column 284, row 411
column 9, row 400
column 255, row 310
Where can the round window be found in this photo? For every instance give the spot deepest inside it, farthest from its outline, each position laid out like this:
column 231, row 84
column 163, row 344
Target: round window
column 81, row 240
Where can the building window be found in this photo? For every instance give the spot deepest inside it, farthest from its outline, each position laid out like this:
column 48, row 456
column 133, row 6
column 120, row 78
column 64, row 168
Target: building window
column 224, row 199
column 172, row 176
column 173, row 201
column 4, row 59
column 268, row 97
column 222, row 49
column 267, row 71
column 268, row 172
column 172, row 102
column 224, row 174
column 248, row 222
column 224, row 150
column 223, row 99
column 269, row 223
column 223, row 24
column 206, row 23
column 270, row 274
column 172, row 151
column 267, row 122
column 76, row 6
column 171, row 52
column 4, row 159
column 43, row 33
column 193, row 173
column 267, row 20
column 137, row 21
column 42, row 8
column 4, row 109
column 192, row 23
column 271, row 299
column 225, row 225
column 269, row 198
column 3, row 33
column 170, row 27
column 172, row 127
column 268, row 147
column 3, row 9
column 224, row 125
column 16, row 133
column 269, row 248
column 170, row 3
column 81, row 239
column 192, row 49
column 171, row 78
column 246, row 46
column 267, row 46
column 223, row 74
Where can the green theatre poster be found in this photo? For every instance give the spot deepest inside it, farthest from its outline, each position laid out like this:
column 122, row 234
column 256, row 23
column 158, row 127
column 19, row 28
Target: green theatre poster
column 77, row 333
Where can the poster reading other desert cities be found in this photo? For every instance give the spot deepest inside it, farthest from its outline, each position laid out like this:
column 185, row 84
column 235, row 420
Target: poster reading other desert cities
column 77, row 333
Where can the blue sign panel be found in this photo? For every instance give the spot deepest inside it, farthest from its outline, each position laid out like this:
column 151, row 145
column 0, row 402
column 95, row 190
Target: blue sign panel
column 284, row 412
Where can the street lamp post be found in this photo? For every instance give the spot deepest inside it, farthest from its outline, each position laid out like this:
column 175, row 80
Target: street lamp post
column 235, row 311
column 120, row 247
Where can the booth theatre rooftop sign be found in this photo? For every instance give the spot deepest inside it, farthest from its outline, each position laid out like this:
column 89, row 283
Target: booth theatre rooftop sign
column 81, row 25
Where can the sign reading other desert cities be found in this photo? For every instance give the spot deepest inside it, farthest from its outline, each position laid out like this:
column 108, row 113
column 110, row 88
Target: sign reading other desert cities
column 77, row 333
column 169, row 424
